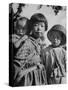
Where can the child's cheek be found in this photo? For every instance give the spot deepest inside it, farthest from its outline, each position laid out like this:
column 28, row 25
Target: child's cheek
column 35, row 28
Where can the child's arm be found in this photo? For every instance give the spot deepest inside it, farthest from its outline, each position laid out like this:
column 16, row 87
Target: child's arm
column 15, row 38
column 19, row 40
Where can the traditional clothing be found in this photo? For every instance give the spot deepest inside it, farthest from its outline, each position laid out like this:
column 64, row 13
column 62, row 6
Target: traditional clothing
column 28, row 66
column 55, row 55
column 55, row 64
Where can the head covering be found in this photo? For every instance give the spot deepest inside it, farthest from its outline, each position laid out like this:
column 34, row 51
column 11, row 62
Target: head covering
column 60, row 30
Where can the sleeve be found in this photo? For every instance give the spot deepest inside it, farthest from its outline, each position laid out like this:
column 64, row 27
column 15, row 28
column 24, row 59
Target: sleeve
column 61, row 62
column 64, row 59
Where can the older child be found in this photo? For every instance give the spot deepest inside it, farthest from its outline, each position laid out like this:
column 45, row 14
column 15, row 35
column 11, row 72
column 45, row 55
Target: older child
column 32, row 71
column 55, row 55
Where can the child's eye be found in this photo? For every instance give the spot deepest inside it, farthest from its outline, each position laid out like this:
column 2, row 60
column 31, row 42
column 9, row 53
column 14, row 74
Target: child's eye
column 42, row 25
column 36, row 25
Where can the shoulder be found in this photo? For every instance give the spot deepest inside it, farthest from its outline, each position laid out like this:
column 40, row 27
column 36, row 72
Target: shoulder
column 25, row 37
column 59, row 49
column 28, row 42
column 32, row 41
column 47, row 49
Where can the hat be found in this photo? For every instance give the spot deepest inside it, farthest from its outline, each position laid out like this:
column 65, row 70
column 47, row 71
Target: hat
column 59, row 29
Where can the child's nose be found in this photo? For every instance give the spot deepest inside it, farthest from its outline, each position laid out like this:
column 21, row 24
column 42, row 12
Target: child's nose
column 21, row 30
column 55, row 39
column 39, row 28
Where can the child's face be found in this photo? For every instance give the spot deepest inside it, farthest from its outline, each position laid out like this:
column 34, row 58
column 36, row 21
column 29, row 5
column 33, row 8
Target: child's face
column 22, row 28
column 39, row 29
column 57, row 42
column 21, row 31
column 57, row 39
column 22, row 22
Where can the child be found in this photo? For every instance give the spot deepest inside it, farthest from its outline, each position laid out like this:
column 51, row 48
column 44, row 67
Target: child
column 55, row 55
column 39, row 26
column 21, row 31
column 18, row 39
column 32, row 71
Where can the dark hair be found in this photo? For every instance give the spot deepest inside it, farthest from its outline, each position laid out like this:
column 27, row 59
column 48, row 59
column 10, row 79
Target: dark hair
column 25, row 26
column 22, row 19
column 38, row 17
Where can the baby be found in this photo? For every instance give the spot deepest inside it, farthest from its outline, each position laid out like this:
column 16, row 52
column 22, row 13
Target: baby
column 21, row 31
column 18, row 39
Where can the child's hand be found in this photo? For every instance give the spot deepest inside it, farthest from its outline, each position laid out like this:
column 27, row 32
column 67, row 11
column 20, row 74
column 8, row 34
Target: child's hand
column 24, row 37
column 15, row 38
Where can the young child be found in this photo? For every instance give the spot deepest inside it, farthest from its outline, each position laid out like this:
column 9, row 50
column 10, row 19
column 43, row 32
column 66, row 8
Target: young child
column 55, row 55
column 21, row 31
column 18, row 39
column 32, row 71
